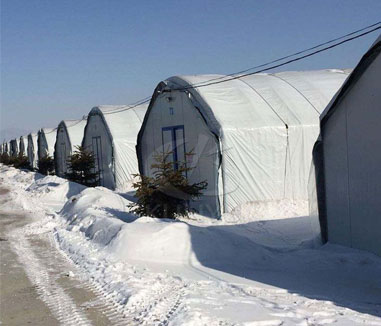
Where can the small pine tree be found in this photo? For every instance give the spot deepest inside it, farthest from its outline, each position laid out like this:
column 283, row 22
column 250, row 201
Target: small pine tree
column 21, row 162
column 167, row 193
column 46, row 165
column 5, row 159
column 81, row 167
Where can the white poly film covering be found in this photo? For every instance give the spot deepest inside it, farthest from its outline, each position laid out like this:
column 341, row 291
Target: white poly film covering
column 266, row 125
column 111, row 132
column 69, row 136
column 46, row 141
column 32, row 150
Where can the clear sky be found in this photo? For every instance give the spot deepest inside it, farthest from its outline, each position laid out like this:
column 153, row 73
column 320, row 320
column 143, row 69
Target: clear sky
column 61, row 58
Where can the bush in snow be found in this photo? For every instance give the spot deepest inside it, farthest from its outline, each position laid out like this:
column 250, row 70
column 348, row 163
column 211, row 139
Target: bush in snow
column 81, row 168
column 46, row 165
column 5, row 159
column 168, row 192
column 21, row 162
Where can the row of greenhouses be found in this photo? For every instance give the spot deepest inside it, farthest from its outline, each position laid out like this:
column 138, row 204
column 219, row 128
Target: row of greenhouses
column 251, row 138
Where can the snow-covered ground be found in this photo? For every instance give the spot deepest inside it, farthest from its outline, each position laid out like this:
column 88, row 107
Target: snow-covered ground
column 261, row 265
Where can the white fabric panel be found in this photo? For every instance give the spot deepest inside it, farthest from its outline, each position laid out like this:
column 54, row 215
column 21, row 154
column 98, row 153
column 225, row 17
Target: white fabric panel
column 282, row 98
column 250, row 165
column 318, row 87
column 74, row 130
column 118, row 127
column 234, row 104
column 46, row 141
column 301, row 140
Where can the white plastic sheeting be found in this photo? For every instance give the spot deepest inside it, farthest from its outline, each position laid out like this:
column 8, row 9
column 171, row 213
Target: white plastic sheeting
column 32, row 150
column 252, row 137
column 111, row 133
column 46, row 141
column 69, row 136
column 350, row 158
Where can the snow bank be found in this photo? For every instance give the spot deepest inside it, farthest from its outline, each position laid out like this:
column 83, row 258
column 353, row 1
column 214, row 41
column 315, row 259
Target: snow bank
column 103, row 217
column 98, row 213
column 244, row 237
column 259, row 265
column 53, row 191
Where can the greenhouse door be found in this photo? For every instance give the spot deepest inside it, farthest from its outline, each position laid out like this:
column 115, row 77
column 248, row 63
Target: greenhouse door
column 173, row 141
column 97, row 150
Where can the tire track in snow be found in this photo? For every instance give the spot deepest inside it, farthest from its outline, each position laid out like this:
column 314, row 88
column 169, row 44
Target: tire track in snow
column 156, row 307
column 107, row 302
column 103, row 303
column 61, row 305
column 156, row 304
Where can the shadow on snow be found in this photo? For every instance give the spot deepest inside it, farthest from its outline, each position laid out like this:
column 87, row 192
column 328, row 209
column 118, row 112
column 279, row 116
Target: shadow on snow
column 347, row 277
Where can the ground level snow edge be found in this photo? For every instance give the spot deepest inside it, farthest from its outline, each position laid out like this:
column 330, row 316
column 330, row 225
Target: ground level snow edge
column 261, row 265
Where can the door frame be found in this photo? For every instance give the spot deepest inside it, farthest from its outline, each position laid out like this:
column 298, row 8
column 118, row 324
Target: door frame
column 173, row 130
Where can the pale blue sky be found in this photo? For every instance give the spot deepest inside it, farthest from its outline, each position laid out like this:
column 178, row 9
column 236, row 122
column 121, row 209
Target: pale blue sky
column 61, row 58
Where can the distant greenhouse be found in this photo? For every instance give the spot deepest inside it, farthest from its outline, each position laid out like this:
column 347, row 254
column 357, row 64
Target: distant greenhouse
column 69, row 135
column 251, row 137
column 32, row 150
column 46, row 139
column 14, row 147
column 110, row 134
column 7, row 147
column 24, row 145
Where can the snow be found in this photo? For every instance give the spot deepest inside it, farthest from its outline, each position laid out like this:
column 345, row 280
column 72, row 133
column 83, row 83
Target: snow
column 262, row 264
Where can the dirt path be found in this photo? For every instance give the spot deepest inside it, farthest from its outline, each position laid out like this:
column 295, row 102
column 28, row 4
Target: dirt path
column 39, row 286
column 19, row 304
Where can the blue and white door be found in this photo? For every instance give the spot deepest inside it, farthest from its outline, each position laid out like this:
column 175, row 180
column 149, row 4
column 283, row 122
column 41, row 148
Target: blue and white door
column 174, row 142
